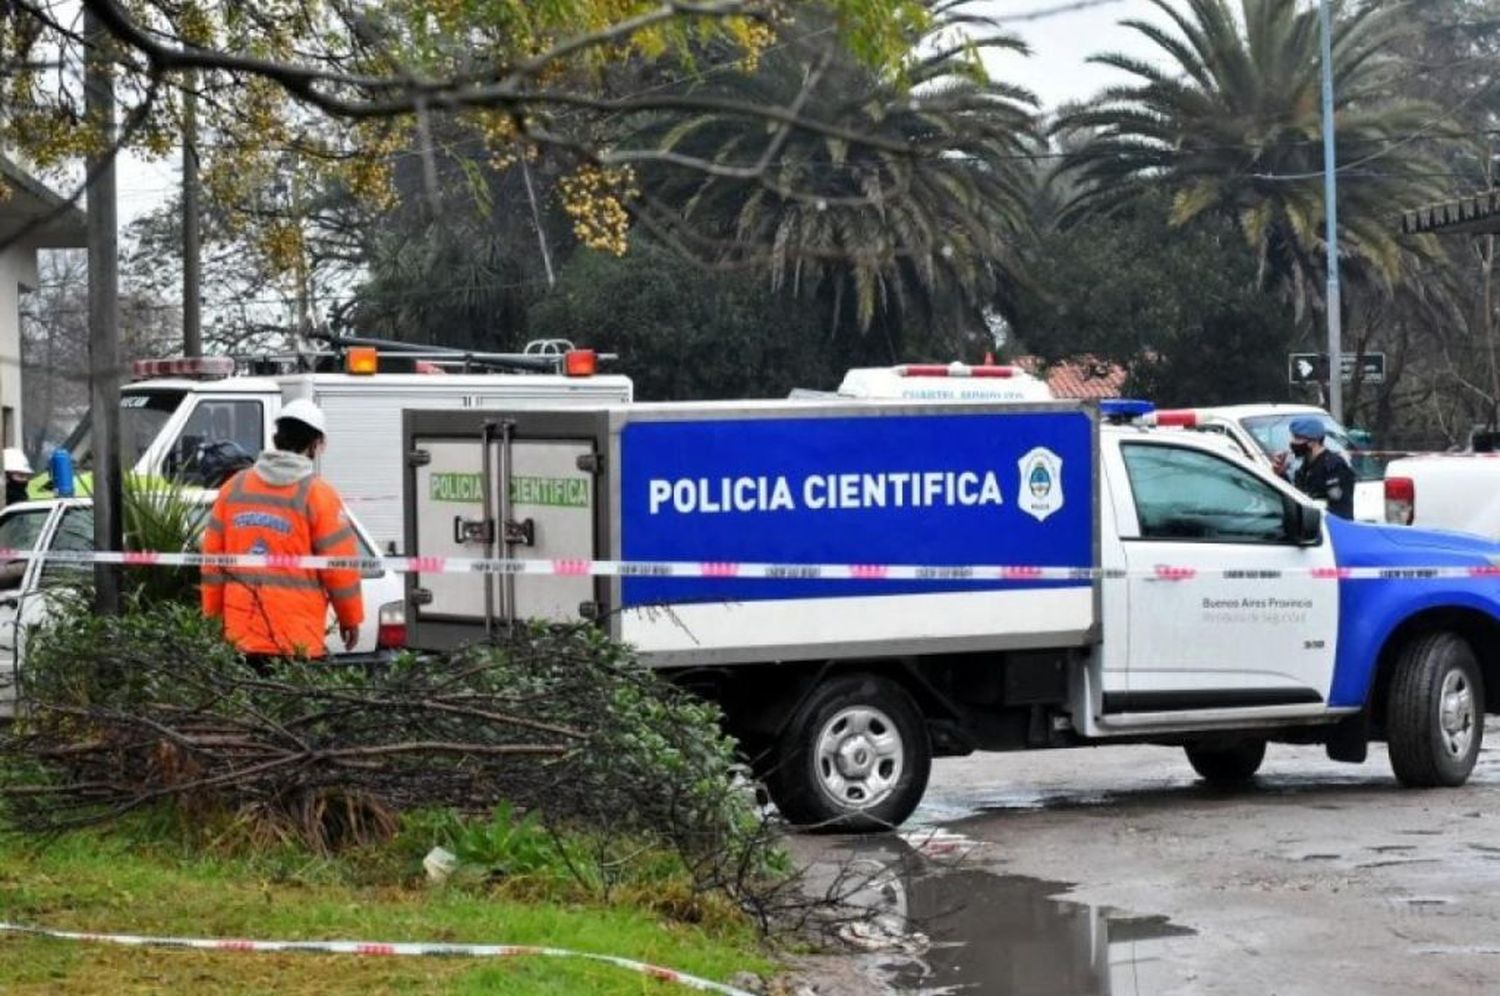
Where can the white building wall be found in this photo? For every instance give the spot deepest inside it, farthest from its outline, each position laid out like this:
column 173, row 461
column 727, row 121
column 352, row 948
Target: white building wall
column 17, row 274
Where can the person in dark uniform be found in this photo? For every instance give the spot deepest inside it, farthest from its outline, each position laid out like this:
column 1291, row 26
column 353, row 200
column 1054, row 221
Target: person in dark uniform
column 1322, row 474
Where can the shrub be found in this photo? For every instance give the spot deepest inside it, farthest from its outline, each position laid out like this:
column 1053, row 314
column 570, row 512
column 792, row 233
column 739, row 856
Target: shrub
column 561, row 725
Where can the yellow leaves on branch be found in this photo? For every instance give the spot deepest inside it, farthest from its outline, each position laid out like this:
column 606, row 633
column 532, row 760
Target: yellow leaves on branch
column 284, row 246
column 595, row 199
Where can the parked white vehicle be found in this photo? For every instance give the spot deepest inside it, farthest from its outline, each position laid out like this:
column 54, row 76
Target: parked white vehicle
column 67, row 524
column 1459, row 491
column 943, row 382
column 1263, row 431
column 179, row 410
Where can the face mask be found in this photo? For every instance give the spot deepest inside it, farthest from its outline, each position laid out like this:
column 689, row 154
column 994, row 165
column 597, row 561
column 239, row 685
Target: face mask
column 1300, row 449
column 15, row 491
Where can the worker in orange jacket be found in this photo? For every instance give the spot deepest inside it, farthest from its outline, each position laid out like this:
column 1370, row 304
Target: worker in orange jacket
column 279, row 506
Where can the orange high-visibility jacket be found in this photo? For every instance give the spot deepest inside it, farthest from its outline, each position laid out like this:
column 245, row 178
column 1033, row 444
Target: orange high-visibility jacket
column 280, row 611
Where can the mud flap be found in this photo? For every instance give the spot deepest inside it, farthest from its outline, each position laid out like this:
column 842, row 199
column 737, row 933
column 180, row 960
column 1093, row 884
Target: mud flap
column 1349, row 740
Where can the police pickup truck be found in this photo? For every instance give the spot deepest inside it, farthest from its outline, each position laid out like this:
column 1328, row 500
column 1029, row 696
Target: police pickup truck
column 865, row 585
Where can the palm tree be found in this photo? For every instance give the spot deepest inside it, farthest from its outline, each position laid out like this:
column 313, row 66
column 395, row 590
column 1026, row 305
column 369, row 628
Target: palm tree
column 912, row 228
column 1234, row 126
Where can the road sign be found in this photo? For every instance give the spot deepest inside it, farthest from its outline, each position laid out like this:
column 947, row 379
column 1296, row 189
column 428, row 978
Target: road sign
column 1312, row 368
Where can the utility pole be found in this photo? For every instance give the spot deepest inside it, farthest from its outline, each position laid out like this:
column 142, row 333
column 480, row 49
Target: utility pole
column 104, row 311
column 192, row 272
column 1333, row 302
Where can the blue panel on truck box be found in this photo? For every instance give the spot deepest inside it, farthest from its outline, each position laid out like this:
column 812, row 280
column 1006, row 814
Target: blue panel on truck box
column 955, row 489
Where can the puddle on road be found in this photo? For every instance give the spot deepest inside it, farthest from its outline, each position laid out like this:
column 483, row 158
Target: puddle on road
column 1004, row 934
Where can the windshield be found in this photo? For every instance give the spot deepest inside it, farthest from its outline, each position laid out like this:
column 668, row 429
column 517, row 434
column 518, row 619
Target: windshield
column 1274, row 435
column 142, row 416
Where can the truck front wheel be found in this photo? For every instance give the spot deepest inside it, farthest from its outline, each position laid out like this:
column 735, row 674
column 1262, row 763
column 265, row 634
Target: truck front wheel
column 855, row 757
column 1235, row 764
column 1435, row 712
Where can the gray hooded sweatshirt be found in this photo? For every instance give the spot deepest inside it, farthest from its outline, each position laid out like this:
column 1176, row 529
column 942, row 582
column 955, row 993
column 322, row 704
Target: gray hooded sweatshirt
column 279, row 468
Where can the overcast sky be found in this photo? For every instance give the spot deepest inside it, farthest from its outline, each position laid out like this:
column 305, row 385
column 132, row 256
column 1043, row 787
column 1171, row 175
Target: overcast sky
column 1057, row 71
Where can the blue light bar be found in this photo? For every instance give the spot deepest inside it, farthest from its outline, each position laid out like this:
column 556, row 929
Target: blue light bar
column 1125, row 409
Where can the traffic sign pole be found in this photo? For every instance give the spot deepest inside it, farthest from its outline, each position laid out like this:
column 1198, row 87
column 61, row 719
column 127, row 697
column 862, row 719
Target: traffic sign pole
column 1331, row 217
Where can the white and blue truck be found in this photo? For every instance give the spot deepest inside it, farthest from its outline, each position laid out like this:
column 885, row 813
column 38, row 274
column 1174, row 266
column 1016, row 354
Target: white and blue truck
column 865, row 585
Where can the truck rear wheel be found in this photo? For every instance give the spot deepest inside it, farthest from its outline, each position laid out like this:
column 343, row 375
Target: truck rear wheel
column 855, row 757
column 1435, row 712
column 1232, row 765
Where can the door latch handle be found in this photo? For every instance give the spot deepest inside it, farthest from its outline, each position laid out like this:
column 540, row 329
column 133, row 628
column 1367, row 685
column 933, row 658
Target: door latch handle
column 520, row 533
column 473, row 530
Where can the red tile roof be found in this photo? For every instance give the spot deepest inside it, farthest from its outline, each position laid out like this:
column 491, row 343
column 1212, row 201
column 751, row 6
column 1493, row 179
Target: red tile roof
column 1084, row 377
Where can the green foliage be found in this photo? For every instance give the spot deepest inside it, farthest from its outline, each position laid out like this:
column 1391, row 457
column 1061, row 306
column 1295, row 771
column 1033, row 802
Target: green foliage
column 560, row 728
column 78, row 660
column 684, row 332
column 1177, row 307
column 905, row 235
column 166, row 518
column 507, row 843
column 1230, row 123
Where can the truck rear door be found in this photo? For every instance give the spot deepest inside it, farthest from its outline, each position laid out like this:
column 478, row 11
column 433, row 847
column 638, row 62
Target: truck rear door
column 1261, row 638
column 523, row 486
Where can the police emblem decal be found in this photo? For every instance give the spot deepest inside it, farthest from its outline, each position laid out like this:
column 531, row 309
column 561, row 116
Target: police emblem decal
column 1041, row 483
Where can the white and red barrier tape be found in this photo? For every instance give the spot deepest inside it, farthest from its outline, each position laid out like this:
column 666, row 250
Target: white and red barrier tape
column 379, row 949
column 730, row 570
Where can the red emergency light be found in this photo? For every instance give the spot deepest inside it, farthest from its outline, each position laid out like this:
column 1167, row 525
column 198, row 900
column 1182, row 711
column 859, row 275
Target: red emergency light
column 953, row 370
column 1181, row 418
column 203, row 367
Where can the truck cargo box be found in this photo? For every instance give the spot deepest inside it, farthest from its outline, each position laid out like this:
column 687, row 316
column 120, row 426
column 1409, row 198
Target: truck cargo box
column 791, row 484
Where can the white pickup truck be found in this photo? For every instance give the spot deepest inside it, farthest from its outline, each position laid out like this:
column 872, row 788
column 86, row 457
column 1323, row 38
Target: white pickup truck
column 67, row 524
column 864, row 585
column 1459, row 491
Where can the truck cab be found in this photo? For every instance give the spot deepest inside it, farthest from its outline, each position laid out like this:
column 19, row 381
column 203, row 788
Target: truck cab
column 1263, row 431
column 182, row 418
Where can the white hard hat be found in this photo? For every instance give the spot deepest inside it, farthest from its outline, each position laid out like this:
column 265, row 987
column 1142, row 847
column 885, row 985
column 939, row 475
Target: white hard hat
column 15, row 462
column 307, row 413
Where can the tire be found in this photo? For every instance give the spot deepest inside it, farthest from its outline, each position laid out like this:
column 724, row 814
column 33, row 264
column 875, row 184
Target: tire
column 1434, row 715
column 1227, row 766
column 831, row 770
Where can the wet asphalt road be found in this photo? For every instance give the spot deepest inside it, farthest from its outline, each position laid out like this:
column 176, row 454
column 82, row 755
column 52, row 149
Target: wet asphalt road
column 1114, row 871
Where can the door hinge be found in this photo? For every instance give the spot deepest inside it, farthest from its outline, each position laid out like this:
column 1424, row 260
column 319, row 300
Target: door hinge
column 418, row 458
column 591, row 463
column 420, row 596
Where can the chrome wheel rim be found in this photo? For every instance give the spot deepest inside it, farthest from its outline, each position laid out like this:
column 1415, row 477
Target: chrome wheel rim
column 1456, row 713
column 859, row 757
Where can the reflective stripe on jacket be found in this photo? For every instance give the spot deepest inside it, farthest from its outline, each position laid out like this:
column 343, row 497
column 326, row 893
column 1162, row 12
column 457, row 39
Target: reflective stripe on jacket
column 280, row 611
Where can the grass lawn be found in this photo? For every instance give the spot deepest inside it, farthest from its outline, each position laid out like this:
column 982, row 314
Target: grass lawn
column 105, row 883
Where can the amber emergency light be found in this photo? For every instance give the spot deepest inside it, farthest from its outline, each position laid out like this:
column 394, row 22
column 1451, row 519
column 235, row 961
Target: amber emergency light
column 361, row 360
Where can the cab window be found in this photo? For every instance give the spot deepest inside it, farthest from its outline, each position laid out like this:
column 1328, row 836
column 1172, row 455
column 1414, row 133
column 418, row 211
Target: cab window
column 75, row 534
column 19, row 531
column 1184, row 494
column 217, row 431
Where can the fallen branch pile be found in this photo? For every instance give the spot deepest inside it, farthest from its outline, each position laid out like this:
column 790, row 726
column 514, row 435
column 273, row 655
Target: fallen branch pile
column 560, row 721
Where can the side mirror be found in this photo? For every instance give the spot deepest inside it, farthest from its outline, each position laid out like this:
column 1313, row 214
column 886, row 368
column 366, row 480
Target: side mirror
column 1307, row 523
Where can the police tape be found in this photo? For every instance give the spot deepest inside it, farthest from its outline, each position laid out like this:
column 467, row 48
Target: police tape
column 735, row 571
column 379, row 949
